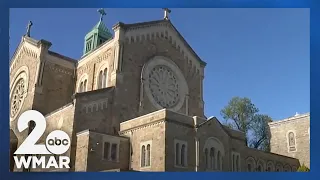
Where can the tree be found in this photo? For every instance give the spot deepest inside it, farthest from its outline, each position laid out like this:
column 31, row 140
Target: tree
column 261, row 132
column 241, row 114
column 303, row 168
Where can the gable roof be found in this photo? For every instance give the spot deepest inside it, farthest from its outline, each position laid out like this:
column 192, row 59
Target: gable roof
column 230, row 132
column 30, row 41
column 139, row 24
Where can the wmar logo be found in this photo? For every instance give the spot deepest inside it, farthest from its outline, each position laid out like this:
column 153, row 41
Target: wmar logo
column 57, row 143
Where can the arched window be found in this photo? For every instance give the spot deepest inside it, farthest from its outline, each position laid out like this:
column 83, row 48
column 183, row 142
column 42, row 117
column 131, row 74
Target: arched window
column 82, row 83
column 251, row 164
column 104, row 83
column 287, row 168
column 259, row 169
column 183, row 148
column 177, row 154
column 212, row 158
column 181, row 158
column 270, row 166
column 85, row 85
column 81, row 87
column 213, row 153
column 206, row 157
column 261, row 165
column 291, row 141
column 100, row 80
column 237, row 163
column 233, row 162
column 143, row 155
column 148, row 155
column 106, row 150
column 279, row 167
column 219, row 161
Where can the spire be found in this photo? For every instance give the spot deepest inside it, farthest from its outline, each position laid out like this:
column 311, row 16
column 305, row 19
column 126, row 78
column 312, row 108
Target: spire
column 98, row 35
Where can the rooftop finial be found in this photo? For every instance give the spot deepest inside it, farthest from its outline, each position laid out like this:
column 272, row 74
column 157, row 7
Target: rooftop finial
column 102, row 13
column 29, row 28
column 166, row 13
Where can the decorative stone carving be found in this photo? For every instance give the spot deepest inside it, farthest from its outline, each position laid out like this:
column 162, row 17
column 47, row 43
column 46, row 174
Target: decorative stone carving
column 19, row 90
column 17, row 97
column 164, row 86
column 164, row 83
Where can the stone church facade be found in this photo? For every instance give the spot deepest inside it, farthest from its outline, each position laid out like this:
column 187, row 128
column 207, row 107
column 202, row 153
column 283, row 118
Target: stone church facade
column 291, row 137
column 133, row 102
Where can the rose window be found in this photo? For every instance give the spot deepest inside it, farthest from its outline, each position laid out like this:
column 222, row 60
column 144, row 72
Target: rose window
column 164, row 86
column 17, row 97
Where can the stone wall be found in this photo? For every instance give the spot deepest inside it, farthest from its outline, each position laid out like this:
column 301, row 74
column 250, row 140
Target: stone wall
column 274, row 161
column 94, row 111
column 90, row 65
column 56, row 85
column 137, row 51
column 25, row 60
column 300, row 126
column 91, row 146
column 146, row 129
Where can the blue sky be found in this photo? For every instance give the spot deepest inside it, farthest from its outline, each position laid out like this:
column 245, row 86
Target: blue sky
column 262, row 54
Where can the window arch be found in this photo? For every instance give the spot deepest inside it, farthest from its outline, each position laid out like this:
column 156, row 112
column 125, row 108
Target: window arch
column 83, row 83
column 287, row 168
column 270, row 166
column 102, row 77
column 279, row 167
column 294, row 169
column 291, row 140
column 235, row 161
column 206, row 158
column 145, row 157
column 177, row 153
column 148, row 155
column 219, row 160
column 260, row 166
column 251, row 164
column 213, row 154
column 183, row 149
column 212, row 158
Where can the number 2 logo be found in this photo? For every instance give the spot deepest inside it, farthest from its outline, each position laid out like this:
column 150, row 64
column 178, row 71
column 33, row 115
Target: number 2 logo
column 29, row 145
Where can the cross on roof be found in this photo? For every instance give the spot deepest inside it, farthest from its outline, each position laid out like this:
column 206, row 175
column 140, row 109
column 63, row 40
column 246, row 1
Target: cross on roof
column 166, row 13
column 102, row 13
column 29, row 28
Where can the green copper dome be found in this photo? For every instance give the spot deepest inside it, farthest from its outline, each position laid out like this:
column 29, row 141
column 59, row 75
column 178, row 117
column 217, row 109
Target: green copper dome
column 98, row 35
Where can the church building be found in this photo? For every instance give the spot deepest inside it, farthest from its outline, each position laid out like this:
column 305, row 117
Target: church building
column 134, row 102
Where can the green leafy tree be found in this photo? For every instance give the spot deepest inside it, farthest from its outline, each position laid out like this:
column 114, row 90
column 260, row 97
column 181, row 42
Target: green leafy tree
column 260, row 132
column 241, row 114
column 303, row 168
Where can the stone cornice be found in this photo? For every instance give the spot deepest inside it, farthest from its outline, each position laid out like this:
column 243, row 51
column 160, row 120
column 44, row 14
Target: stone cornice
column 288, row 120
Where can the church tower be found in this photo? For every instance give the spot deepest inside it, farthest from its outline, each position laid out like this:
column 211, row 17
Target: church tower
column 98, row 35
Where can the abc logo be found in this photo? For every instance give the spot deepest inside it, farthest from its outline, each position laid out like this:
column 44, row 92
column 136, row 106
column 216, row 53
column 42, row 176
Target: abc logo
column 58, row 142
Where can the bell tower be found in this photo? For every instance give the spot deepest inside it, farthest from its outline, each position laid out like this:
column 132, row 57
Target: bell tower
column 98, row 35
